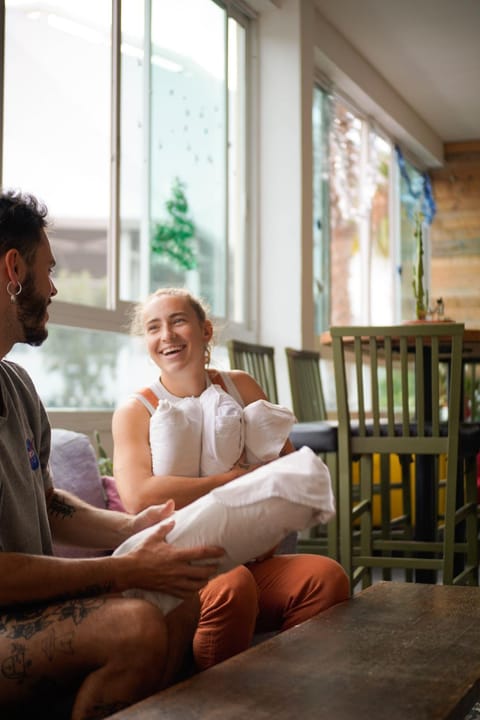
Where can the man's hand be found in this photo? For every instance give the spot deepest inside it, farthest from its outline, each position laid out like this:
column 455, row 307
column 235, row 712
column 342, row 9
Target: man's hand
column 159, row 566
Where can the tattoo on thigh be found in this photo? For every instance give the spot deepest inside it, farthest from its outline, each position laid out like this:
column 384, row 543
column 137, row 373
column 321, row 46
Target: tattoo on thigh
column 15, row 666
column 54, row 643
column 25, row 624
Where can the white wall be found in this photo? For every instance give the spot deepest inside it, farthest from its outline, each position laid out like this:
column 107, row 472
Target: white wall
column 285, row 181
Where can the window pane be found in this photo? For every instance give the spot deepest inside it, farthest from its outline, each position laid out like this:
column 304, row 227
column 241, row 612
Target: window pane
column 347, row 301
column 380, row 282
column 183, row 201
column 188, row 148
column 237, row 205
column 411, row 197
column 57, row 130
column 321, row 254
column 85, row 369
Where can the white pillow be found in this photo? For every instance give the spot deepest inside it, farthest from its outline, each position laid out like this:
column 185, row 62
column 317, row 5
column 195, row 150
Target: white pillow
column 249, row 515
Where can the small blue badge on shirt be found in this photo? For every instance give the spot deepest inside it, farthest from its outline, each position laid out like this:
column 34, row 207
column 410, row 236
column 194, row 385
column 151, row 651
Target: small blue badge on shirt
column 32, row 455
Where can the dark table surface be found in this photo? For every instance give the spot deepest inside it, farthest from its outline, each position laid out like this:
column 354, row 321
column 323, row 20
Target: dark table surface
column 396, row 650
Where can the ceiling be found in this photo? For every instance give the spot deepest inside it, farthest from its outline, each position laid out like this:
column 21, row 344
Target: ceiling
column 427, row 50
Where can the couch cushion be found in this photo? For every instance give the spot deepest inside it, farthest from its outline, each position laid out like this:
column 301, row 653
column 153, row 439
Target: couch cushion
column 74, row 468
column 113, row 500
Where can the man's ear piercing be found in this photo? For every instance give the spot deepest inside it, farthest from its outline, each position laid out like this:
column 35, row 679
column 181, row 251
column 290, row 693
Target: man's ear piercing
column 12, row 293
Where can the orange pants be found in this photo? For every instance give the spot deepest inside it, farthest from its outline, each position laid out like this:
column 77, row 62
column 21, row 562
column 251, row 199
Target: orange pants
column 274, row 594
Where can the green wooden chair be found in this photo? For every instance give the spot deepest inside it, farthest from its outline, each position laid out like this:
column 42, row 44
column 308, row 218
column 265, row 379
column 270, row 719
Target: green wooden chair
column 308, row 400
column 317, row 432
column 259, row 361
column 389, row 400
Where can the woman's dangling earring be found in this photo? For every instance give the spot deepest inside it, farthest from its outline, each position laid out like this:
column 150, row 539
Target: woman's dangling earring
column 208, row 355
column 12, row 293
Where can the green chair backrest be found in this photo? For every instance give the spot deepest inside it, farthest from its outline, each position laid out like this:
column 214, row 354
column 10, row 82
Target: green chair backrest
column 308, row 400
column 387, row 390
column 258, row 361
column 398, row 391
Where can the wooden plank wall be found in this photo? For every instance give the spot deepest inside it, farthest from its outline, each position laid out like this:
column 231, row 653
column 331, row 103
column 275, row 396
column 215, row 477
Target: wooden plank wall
column 455, row 233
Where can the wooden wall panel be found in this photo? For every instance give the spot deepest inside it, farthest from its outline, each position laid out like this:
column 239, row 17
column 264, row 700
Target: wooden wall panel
column 455, row 233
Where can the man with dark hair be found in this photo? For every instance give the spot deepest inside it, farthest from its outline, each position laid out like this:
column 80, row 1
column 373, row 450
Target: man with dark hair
column 65, row 627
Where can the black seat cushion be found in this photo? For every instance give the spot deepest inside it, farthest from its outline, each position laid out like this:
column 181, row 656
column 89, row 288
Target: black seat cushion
column 320, row 436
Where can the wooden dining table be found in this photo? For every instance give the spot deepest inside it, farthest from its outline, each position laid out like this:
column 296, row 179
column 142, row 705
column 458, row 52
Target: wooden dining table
column 396, row 650
column 425, row 485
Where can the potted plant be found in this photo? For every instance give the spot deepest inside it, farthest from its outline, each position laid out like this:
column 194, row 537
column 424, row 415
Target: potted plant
column 419, row 291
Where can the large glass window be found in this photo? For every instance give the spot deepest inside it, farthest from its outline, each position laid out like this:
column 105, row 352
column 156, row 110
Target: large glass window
column 56, row 141
column 354, row 264
column 138, row 146
column 183, row 207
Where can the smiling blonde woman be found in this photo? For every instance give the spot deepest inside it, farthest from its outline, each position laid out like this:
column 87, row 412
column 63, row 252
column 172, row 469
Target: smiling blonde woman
column 272, row 594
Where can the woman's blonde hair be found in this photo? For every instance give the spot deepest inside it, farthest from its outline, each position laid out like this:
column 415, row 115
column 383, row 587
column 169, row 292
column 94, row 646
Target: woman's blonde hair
column 199, row 306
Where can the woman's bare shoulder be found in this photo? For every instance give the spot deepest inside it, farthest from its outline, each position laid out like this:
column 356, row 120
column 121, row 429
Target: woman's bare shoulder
column 131, row 409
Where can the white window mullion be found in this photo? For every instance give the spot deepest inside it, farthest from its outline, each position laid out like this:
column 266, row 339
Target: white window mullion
column 227, row 178
column 113, row 270
column 145, row 229
column 364, row 223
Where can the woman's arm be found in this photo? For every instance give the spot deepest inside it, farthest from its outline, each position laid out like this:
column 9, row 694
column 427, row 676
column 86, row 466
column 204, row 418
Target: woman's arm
column 132, row 462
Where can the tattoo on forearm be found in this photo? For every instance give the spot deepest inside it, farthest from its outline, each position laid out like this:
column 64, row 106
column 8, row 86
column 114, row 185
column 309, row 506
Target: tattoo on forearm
column 60, row 508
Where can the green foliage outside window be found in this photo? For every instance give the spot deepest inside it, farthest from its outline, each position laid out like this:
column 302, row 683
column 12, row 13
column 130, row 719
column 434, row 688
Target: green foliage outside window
column 173, row 238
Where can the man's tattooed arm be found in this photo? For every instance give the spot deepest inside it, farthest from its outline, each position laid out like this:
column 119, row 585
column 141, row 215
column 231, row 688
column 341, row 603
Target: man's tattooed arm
column 58, row 506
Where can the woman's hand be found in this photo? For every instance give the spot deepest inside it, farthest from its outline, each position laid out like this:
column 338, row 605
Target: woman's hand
column 241, row 467
column 151, row 515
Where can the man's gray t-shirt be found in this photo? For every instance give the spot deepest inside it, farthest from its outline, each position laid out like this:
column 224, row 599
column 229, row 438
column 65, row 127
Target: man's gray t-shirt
column 24, row 472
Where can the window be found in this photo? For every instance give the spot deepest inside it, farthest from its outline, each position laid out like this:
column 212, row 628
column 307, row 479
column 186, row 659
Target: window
column 365, row 199
column 137, row 141
column 56, row 132
column 361, row 258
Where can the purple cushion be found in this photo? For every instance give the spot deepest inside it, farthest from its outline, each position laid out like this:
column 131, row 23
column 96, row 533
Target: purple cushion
column 111, row 494
column 74, row 468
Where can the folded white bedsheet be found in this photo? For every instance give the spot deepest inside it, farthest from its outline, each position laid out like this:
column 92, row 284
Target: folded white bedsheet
column 249, row 515
column 176, row 437
column 267, row 427
column 223, row 431
column 196, row 437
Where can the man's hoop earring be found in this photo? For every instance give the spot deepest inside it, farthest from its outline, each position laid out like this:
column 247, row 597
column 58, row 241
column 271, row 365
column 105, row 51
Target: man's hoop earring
column 13, row 295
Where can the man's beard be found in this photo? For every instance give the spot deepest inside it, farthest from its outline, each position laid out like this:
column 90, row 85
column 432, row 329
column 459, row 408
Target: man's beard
column 31, row 309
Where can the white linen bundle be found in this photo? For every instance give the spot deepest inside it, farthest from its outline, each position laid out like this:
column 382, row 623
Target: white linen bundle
column 250, row 515
column 196, row 437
